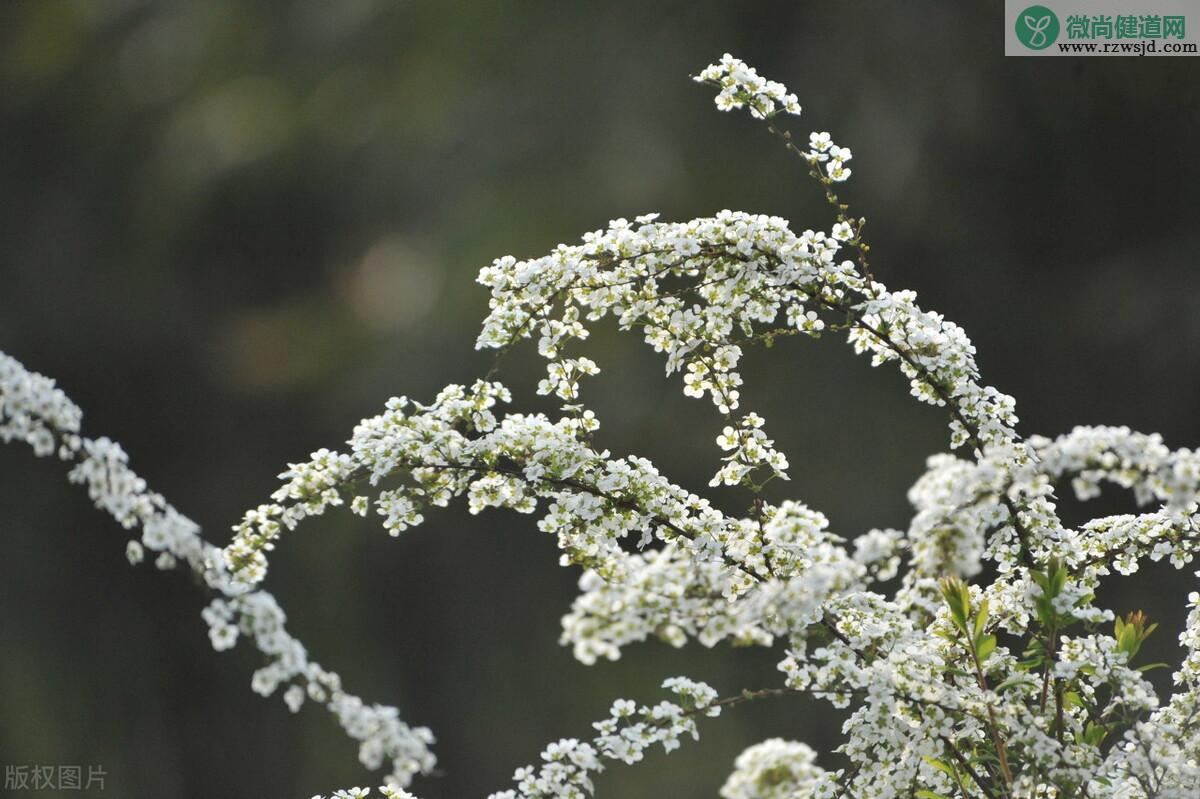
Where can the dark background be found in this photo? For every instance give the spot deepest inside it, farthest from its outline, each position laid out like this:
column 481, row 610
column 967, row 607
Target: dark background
column 232, row 229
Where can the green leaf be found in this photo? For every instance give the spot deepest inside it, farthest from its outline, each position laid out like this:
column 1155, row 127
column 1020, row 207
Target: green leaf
column 924, row 793
column 940, row 766
column 984, row 646
column 958, row 599
column 1094, row 733
column 981, row 617
column 1013, row 682
column 1045, row 610
column 1059, row 577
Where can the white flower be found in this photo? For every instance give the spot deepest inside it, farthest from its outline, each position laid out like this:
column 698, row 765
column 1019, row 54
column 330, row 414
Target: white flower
column 134, row 553
column 837, row 170
column 294, row 697
column 820, row 141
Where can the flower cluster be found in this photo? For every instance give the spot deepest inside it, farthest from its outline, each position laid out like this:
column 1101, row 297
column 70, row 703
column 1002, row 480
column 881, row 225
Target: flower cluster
column 568, row 765
column 741, row 87
column 773, row 769
column 35, row 411
column 1017, row 684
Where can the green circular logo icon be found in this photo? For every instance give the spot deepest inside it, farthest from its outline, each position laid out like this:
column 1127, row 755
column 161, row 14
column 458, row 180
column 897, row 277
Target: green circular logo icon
column 1037, row 27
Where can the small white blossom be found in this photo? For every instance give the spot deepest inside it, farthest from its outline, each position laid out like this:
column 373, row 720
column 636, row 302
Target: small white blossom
column 134, row 553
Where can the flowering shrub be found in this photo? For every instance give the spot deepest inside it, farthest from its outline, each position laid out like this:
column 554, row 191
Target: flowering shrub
column 1017, row 684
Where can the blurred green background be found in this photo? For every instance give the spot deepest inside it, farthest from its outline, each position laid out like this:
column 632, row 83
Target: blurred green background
column 232, row 229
